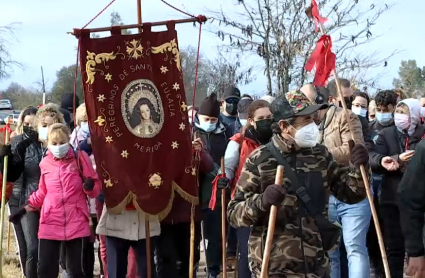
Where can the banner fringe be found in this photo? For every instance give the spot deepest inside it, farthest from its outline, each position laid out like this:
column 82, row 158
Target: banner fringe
column 131, row 197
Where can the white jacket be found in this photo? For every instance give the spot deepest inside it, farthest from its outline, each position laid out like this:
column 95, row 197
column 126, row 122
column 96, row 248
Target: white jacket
column 129, row 225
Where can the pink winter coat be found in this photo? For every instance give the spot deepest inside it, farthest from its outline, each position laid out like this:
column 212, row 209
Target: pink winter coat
column 63, row 202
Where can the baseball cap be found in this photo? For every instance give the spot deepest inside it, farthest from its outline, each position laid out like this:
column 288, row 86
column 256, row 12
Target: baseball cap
column 293, row 104
column 243, row 107
column 231, row 92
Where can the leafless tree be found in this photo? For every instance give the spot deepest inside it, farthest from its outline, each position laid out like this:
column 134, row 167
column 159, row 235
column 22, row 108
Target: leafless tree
column 284, row 37
column 227, row 70
column 7, row 34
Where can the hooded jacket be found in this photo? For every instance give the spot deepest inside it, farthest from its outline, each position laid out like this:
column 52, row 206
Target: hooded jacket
column 392, row 142
column 61, row 197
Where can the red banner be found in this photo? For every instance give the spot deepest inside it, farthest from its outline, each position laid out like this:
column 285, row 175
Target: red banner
column 324, row 60
column 137, row 113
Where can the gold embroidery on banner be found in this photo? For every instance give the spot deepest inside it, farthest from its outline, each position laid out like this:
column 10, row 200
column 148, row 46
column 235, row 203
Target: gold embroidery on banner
column 100, row 121
column 108, row 77
column 109, row 181
column 182, row 126
column 101, row 98
column 176, row 86
column 169, row 47
column 124, row 154
column 183, row 106
column 174, row 145
column 94, row 59
column 163, row 69
column 155, row 180
column 134, row 49
column 109, row 139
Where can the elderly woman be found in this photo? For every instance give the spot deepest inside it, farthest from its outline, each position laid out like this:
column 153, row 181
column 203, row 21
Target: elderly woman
column 34, row 135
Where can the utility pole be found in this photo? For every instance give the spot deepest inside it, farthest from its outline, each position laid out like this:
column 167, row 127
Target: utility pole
column 44, row 86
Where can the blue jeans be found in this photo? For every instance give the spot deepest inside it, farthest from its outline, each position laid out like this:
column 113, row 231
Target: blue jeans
column 243, row 237
column 355, row 220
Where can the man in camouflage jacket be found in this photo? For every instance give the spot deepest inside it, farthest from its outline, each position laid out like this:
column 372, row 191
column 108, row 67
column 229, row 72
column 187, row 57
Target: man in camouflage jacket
column 297, row 250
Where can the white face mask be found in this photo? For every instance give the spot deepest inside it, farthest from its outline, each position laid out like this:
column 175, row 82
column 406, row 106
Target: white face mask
column 306, row 137
column 59, row 151
column 243, row 121
column 359, row 111
column 42, row 133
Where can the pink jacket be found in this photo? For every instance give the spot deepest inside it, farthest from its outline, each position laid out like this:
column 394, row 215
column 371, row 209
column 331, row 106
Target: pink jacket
column 63, row 202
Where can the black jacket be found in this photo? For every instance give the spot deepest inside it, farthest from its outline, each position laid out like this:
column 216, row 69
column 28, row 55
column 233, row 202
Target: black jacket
column 30, row 159
column 391, row 142
column 412, row 203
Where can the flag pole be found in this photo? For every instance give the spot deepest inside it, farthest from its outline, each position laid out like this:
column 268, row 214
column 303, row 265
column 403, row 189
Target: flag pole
column 364, row 175
column 147, row 224
column 3, row 203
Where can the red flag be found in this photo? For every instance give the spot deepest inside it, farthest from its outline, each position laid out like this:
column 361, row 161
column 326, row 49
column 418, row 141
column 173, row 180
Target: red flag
column 324, row 60
column 316, row 15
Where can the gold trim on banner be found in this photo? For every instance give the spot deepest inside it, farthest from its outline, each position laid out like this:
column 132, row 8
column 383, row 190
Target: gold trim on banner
column 131, row 197
column 169, row 47
column 94, row 59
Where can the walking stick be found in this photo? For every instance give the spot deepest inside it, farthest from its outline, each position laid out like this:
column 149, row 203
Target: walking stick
column 366, row 184
column 223, row 222
column 3, row 203
column 270, row 229
column 192, row 241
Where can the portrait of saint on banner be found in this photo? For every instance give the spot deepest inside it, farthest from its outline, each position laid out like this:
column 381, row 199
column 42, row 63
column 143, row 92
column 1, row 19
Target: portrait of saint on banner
column 142, row 109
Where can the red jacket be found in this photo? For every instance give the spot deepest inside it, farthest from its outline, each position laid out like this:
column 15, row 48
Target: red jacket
column 180, row 212
column 248, row 146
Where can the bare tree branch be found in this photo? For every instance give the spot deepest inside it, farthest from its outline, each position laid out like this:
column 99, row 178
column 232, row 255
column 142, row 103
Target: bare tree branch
column 7, row 34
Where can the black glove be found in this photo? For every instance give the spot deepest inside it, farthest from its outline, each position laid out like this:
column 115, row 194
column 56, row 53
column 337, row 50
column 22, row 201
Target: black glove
column 359, row 154
column 88, row 184
column 222, row 183
column 5, row 150
column 16, row 217
column 273, row 195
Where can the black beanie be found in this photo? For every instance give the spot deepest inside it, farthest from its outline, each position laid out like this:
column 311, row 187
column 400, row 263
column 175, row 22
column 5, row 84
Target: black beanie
column 67, row 102
column 210, row 106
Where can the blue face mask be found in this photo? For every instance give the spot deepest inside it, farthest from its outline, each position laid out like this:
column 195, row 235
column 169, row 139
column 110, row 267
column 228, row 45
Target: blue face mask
column 384, row 118
column 206, row 126
column 84, row 127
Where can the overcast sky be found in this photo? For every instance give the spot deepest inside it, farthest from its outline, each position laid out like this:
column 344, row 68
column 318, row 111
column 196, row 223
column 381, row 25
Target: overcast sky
column 41, row 38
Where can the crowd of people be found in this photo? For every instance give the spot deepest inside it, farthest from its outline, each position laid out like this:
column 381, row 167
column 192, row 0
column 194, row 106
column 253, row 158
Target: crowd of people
column 323, row 226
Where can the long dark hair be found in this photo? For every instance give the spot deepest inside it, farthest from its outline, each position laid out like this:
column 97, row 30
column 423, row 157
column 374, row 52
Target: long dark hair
column 254, row 106
column 136, row 116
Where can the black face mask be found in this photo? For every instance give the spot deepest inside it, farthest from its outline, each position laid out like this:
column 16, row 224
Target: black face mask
column 347, row 101
column 264, row 130
column 28, row 130
column 232, row 108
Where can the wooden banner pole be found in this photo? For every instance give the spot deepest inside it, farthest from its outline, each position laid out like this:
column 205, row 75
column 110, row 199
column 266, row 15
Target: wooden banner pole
column 3, row 204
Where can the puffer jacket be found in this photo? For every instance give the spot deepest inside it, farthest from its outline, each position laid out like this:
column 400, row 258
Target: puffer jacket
column 28, row 181
column 63, row 201
column 335, row 133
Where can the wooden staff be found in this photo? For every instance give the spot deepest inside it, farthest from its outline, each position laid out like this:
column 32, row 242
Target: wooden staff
column 223, row 222
column 192, row 241
column 364, row 176
column 3, row 203
column 270, row 229
column 147, row 224
column 8, row 237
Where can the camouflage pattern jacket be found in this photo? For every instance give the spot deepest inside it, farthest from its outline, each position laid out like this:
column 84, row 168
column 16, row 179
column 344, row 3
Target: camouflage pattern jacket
column 297, row 248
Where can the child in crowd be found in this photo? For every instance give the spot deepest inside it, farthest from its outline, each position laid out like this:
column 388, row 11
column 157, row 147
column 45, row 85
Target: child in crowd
column 67, row 176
